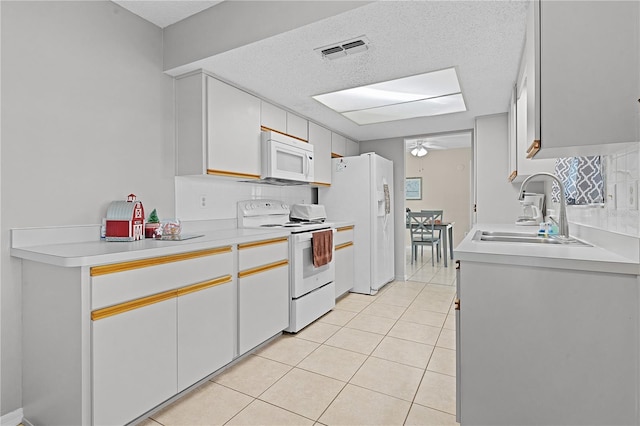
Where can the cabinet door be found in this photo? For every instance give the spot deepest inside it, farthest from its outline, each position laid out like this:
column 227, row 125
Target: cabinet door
column 344, row 268
column 134, row 360
column 338, row 144
column 263, row 305
column 353, row 148
column 206, row 329
column 320, row 138
column 513, row 140
column 589, row 75
column 297, row 126
column 233, row 133
column 273, row 117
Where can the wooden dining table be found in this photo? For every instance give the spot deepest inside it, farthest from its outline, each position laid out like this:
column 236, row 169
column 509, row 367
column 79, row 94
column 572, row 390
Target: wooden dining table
column 446, row 232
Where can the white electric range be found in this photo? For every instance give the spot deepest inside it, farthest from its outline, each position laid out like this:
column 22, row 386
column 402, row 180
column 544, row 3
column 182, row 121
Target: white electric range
column 312, row 288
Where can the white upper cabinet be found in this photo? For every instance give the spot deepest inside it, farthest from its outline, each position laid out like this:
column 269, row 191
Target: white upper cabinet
column 353, row 148
column 513, row 140
column 275, row 118
column 233, row 131
column 587, row 55
column 338, row 145
column 320, row 138
column 217, row 129
column 297, row 126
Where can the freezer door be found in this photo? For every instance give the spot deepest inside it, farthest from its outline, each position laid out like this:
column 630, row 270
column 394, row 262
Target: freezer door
column 382, row 249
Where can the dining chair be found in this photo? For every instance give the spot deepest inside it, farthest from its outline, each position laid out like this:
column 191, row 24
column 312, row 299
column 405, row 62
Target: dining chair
column 435, row 215
column 423, row 233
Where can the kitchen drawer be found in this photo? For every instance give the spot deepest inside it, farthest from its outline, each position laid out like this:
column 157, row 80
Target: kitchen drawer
column 258, row 253
column 119, row 282
column 343, row 235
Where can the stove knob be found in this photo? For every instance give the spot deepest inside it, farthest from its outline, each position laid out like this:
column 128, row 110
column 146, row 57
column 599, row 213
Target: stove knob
column 285, row 207
column 252, row 206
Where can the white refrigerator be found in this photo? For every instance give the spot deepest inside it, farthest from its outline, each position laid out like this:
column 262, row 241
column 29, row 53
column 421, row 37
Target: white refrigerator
column 361, row 191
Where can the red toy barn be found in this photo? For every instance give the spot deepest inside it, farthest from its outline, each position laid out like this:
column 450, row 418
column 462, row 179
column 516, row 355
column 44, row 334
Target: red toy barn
column 125, row 220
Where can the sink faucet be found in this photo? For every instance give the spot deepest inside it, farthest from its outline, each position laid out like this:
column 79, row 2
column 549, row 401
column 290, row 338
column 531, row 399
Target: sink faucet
column 563, row 223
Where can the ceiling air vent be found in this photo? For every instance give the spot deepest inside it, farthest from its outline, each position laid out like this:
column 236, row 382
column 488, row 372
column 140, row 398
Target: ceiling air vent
column 342, row 49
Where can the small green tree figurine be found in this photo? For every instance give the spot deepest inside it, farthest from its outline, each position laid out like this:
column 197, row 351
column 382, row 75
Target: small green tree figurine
column 152, row 225
column 153, row 217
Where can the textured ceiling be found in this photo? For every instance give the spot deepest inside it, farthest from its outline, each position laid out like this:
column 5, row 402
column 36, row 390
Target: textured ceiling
column 483, row 39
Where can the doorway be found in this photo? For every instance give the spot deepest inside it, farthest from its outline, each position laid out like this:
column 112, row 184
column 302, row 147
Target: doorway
column 438, row 176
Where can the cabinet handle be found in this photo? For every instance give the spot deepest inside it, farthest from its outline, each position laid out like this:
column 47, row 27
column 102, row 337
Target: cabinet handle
column 232, row 174
column 269, row 129
column 263, row 268
column 144, row 263
column 344, row 245
column 457, row 304
column 345, row 228
column 202, row 286
column 262, row 243
column 533, row 149
column 133, row 304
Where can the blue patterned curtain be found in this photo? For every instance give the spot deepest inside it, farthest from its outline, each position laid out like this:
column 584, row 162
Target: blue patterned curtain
column 582, row 179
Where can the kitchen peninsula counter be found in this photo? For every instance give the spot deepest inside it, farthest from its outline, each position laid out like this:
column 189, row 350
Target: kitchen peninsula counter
column 585, row 258
column 100, row 252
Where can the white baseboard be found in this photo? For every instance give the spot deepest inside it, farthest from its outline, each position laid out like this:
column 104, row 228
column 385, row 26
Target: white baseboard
column 13, row 418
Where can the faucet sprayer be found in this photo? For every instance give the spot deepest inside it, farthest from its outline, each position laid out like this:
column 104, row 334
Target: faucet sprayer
column 563, row 223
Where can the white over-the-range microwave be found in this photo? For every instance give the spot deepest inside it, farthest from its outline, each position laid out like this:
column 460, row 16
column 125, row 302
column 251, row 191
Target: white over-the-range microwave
column 286, row 159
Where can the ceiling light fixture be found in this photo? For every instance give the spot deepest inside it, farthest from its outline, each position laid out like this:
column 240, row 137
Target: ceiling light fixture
column 423, row 95
column 419, row 150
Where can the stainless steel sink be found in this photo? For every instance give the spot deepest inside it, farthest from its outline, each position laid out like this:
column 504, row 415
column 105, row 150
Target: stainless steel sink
column 526, row 238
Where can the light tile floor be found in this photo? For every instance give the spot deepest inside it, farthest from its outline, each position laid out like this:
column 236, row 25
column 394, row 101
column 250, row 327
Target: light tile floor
column 387, row 359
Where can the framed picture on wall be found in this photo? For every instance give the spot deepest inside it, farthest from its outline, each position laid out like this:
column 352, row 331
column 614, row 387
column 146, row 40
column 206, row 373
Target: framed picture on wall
column 413, row 188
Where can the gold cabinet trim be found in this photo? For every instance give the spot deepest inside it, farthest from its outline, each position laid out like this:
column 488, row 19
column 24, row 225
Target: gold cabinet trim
column 533, row 148
column 320, row 184
column 513, row 175
column 269, row 129
column 133, row 304
column 334, row 155
column 344, row 245
column 262, row 243
column 204, row 285
column 155, row 261
column 344, row 228
column 232, row 174
column 263, row 268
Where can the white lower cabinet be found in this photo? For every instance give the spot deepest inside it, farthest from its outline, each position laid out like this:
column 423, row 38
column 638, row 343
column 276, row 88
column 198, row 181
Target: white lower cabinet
column 147, row 349
column 546, row 346
column 264, row 306
column 206, row 334
column 344, row 258
column 134, row 362
column 107, row 343
column 263, row 291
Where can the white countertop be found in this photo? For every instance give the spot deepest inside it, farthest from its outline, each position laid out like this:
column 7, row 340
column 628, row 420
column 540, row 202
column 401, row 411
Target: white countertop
column 594, row 259
column 99, row 252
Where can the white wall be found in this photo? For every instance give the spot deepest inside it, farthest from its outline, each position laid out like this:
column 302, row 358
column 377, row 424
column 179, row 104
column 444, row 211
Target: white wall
column 86, row 119
column 393, row 149
column 446, row 179
column 222, row 196
column 621, row 176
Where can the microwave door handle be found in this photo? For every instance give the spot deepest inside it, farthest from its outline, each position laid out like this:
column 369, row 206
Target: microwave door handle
column 306, row 165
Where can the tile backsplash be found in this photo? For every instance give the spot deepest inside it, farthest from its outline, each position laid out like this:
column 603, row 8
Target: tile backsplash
column 214, row 198
column 620, row 210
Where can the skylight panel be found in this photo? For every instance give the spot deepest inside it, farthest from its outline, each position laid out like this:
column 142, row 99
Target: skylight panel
column 415, row 96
